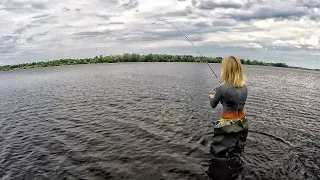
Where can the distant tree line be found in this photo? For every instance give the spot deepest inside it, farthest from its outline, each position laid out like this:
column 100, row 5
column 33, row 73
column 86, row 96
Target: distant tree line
column 135, row 58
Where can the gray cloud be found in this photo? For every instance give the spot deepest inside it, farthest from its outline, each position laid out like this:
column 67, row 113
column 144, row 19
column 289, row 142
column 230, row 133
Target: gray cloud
column 226, row 22
column 175, row 14
column 310, row 3
column 220, row 29
column 201, row 28
column 24, row 28
column 7, row 39
column 202, row 24
column 66, row 9
column 38, row 6
column 111, row 23
column 7, row 49
column 116, row 23
column 189, row 10
column 265, row 13
column 11, row 5
column 8, row 44
column 315, row 17
column 43, row 34
column 22, row 6
column 194, row 3
column 195, row 13
column 109, row 2
column 93, row 33
column 169, row 14
column 254, row 3
column 44, row 19
column 151, row 36
column 131, row 4
column 103, row 16
column 31, row 38
column 41, row 16
column 213, row 5
column 195, row 38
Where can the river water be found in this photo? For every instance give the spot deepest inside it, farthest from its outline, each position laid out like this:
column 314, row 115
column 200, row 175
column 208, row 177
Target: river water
column 151, row 121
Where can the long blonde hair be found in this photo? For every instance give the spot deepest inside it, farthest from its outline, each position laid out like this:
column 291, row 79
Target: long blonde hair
column 231, row 71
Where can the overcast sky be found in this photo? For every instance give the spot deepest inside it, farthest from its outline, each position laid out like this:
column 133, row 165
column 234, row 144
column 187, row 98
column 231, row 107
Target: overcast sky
column 267, row 30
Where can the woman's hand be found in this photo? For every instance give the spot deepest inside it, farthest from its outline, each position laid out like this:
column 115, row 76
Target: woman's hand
column 210, row 96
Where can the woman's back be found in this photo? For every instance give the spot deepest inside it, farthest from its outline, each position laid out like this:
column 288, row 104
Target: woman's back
column 233, row 98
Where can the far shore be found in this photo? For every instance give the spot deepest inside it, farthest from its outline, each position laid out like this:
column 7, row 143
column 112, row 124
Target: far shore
column 140, row 58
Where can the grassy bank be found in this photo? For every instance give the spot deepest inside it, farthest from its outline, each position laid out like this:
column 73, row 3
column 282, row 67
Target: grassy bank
column 138, row 58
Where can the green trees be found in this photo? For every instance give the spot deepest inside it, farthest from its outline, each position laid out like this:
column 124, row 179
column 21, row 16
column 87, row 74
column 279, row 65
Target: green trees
column 280, row 65
column 134, row 58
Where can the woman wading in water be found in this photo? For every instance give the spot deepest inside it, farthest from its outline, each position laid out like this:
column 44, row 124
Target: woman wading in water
column 231, row 130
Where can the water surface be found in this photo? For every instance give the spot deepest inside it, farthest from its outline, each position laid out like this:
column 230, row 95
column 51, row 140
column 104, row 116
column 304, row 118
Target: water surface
column 151, row 121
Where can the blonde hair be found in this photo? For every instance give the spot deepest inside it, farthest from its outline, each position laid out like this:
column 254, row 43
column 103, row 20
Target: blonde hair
column 231, row 71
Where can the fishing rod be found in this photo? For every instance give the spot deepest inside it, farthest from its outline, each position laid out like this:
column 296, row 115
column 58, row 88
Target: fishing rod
column 192, row 45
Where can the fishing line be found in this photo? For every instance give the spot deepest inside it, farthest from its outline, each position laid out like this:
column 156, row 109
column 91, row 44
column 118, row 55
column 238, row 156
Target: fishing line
column 192, row 45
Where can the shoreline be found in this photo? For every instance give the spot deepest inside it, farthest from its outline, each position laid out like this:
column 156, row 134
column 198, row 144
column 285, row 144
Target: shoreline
column 139, row 58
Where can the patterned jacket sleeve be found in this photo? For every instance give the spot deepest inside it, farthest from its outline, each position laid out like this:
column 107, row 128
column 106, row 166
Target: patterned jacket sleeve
column 217, row 97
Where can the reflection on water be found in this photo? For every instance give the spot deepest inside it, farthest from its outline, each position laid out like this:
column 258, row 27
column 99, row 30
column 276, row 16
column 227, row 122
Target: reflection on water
column 152, row 121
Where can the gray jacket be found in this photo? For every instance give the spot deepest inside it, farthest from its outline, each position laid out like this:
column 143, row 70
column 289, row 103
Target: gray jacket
column 230, row 97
